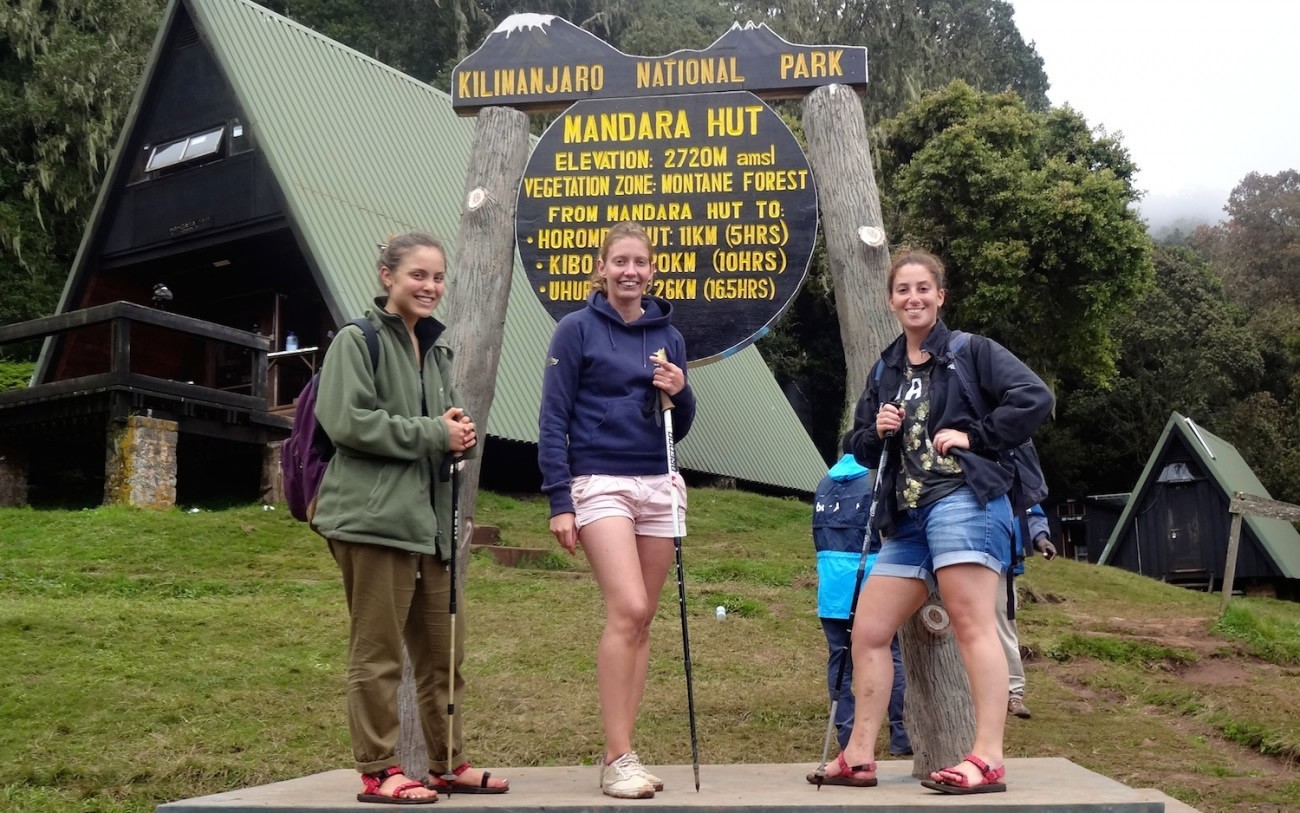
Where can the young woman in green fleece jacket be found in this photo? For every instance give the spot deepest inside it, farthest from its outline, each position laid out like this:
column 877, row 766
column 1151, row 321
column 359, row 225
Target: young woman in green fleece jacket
column 387, row 515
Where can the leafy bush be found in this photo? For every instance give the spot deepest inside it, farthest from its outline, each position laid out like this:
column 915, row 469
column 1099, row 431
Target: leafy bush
column 14, row 375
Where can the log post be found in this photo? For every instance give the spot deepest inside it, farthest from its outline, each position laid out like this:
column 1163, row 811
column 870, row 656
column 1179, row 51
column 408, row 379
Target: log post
column 412, row 750
column 479, row 280
column 940, row 719
column 1230, row 566
column 938, row 714
column 478, row 288
column 856, row 246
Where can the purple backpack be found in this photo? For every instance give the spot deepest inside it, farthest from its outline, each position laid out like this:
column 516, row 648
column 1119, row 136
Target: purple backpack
column 308, row 450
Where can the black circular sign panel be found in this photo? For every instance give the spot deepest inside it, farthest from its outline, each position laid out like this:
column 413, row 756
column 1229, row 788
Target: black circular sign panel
column 719, row 182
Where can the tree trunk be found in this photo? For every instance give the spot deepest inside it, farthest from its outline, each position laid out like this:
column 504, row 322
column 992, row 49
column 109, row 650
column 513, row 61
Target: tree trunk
column 412, row 750
column 478, row 285
column 478, row 280
column 846, row 189
column 939, row 718
column 938, row 714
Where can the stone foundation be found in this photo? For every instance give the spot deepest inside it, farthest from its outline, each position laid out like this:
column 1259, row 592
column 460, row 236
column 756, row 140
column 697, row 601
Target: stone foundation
column 272, row 475
column 140, row 465
column 13, row 478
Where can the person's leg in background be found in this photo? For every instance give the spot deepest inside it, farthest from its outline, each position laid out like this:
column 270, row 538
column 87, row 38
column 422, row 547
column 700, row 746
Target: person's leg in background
column 899, row 744
column 837, row 641
column 1008, row 635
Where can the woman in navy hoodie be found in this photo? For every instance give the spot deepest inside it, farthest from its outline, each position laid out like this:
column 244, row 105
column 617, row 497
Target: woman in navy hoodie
column 605, row 469
column 943, row 513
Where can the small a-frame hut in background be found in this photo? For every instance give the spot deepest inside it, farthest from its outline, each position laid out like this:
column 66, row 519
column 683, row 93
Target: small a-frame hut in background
column 1175, row 525
column 258, row 167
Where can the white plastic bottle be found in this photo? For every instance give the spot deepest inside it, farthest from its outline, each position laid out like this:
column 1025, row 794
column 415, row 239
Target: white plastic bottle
column 720, row 613
column 291, row 341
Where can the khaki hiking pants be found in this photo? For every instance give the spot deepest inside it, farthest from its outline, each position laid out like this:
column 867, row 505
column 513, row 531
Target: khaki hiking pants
column 397, row 597
column 1007, row 634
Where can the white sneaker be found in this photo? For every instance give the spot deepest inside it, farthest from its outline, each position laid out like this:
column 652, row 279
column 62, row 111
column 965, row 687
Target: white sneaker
column 623, row 779
column 649, row 777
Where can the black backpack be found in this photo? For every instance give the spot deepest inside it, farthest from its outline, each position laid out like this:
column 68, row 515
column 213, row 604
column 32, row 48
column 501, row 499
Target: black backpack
column 1029, row 487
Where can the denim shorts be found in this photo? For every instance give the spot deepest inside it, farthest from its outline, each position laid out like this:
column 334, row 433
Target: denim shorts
column 646, row 500
column 953, row 531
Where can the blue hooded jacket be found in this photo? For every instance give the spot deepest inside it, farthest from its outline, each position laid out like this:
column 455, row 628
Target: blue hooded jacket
column 600, row 410
column 1036, row 519
column 841, row 506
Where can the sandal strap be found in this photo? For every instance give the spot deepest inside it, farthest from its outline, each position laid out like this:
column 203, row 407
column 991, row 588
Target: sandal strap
column 372, row 781
column 991, row 775
column 403, row 788
column 846, row 768
column 978, row 763
column 461, row 769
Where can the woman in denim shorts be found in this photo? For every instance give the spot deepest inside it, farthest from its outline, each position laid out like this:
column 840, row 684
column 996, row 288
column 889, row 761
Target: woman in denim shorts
column 604, row 465
column 943, row 511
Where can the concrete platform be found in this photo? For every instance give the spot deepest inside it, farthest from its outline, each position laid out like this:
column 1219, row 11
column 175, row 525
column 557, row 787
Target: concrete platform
column 1033, row 784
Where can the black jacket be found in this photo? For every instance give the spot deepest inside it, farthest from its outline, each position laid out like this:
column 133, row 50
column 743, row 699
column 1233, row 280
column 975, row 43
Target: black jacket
column 1020, row 403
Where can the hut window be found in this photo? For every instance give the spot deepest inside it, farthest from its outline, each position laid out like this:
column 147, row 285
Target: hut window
column 185, row 150
column 1176, row 473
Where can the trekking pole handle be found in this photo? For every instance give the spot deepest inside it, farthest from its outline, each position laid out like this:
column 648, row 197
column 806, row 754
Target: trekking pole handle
column 665, row 400
column 896, row 404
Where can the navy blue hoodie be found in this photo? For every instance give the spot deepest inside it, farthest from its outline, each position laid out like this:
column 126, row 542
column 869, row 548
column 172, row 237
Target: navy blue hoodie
column 600, row 411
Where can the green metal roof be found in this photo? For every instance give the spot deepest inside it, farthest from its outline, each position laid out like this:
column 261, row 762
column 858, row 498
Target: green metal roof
column 361, row 150
column 1232, row 473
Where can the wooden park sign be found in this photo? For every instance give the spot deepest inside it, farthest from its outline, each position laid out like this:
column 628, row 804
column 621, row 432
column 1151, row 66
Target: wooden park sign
column 682, row 144
column 686, row 145
column 720, row 184
column 541, row 62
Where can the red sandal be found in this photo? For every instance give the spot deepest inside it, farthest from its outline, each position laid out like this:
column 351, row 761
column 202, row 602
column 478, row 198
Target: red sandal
column 845, row 777
column 372, row 782
column 992, row 779
column 436, row 782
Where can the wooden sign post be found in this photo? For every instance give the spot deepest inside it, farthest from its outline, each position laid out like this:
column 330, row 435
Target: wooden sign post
column 1240, row 505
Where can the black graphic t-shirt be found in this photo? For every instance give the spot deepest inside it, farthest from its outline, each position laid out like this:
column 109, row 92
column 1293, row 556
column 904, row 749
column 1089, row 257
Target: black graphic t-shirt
column 927, row 476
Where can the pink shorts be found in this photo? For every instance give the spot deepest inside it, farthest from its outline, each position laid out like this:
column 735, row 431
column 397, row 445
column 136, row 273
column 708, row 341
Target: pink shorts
column 645, row 500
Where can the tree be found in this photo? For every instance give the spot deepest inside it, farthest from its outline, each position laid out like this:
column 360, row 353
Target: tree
column 917, row 45
column 1256, row 253
column 422, row 38
column 1183, row 347
column 912, row 46
column 68, row 72
column 664, row 26
column 1266, row 432
column 1032, row 215
column 1257, row 250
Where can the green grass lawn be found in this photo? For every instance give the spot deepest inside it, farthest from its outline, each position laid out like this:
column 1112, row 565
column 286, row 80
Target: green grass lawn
column 149, row 657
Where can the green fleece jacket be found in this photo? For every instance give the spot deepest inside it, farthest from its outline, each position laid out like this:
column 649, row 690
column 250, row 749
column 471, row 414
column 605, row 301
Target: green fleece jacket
column 382, row 485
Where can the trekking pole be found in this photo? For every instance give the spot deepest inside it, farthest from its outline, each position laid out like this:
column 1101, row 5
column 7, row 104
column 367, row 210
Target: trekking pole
column 448, row 774
column 666, row 404
column 847, row 650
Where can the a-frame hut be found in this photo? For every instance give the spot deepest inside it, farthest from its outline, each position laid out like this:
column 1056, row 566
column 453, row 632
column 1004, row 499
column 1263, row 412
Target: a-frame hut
column 259, row 165
column 1176, row 523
